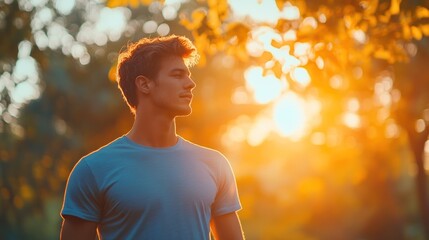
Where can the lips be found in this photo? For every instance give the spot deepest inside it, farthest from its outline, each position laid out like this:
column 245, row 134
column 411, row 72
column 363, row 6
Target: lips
column 187, row 96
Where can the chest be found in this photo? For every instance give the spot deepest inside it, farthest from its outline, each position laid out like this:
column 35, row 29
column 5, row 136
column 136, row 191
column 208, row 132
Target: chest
column 159, row 186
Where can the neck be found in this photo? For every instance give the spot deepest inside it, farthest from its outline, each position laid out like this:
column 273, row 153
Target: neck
column 153, row 130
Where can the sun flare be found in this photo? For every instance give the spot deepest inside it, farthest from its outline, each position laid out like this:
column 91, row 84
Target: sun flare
column 289, row 116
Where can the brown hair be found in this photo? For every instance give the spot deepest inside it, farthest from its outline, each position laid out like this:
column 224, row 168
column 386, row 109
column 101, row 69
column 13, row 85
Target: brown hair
column 144, row 57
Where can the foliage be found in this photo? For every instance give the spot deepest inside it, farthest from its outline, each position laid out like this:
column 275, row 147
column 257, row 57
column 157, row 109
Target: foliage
column 366, row 54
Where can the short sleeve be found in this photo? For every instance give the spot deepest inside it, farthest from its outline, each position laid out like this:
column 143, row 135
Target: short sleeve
column 82, row 198
column 227, row 199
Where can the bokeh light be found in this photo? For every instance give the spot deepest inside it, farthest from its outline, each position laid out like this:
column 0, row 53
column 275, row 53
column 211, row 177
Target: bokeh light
column 290, row 117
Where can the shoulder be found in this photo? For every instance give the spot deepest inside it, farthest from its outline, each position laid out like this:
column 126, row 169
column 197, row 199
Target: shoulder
column 212, row 157
column 103, row 153
column 202, row 150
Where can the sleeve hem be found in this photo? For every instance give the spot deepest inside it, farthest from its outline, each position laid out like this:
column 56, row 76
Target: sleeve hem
column 226, row 210
column 81, row 215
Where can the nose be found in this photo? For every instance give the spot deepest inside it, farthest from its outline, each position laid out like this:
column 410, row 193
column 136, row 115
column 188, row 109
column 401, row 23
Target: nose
column 190, row 84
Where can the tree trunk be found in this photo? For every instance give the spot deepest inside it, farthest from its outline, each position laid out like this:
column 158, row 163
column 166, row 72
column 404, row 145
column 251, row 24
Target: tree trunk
column 417, row 141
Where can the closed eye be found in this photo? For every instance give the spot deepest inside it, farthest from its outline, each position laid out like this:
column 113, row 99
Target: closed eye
column 180, row 73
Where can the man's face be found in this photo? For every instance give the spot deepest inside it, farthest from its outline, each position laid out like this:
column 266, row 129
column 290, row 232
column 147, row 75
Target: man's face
column 172, row 91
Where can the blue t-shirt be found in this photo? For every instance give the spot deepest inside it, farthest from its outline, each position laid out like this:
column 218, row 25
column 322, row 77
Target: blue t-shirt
column 138, row 192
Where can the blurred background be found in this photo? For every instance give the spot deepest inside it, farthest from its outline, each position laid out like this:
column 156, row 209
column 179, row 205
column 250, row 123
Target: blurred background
column 322, row 107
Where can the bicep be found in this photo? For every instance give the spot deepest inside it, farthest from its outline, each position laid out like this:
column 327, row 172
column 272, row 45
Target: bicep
column 227, row 226
column 77, row 228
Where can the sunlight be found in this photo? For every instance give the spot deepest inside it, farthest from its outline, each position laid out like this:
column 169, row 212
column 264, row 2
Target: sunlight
column 150, row 26
column 169, row 13
column 359, row 36
column 265, row 88
column 290, row 62
column 236, row 134
column 163, row 29
column 290, row 35
column 265, row 36
column 263, row 11
column 382, row 90
column 318, row 138
column 320, row 63
column 237, row 131
column 35, row 3
column 301, row 49
column 337, row 82
column 23, row 83
column 26, row 66
column 353, row 105
column 259, row 11
column 25, row 92
column 392, row 129
column 41, row 18
column 301, row 76
column 112, row 22
column 351, row 120
column 174, row 2
column 64, row 7
column 240, row 96
column 420, row 125
column 309, row 22
column 289, row 116
column 290, row 12
column 259, row 131
column 254, row 48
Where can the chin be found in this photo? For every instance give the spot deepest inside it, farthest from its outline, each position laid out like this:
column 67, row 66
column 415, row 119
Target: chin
column 184, row 112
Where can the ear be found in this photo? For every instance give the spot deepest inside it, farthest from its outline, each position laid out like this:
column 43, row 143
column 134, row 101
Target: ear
column 143, row 84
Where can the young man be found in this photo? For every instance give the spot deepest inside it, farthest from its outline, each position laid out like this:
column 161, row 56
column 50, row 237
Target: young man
column 151, row 183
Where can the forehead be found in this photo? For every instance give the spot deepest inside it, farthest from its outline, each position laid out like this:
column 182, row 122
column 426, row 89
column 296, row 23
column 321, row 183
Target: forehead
column 173, row 63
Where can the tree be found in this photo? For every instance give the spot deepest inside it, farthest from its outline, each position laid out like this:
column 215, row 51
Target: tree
column 364, row 49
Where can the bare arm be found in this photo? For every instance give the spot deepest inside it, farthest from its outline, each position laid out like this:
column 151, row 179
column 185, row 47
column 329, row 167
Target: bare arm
column 227, row 227
column 76, row 228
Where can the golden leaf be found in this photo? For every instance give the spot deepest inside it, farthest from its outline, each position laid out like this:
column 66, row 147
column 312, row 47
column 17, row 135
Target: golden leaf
column 134, row 3
column 280, row 4
column 147, row 2
column 372, row 7
column 425, row 29
column 382, row 54
column 406, row 32
column 202, row 43
column 198, row 15
column 113, row 3
column 363, row 26
column 212, row 3
column 131, row 3
column 26, row 192
column 368, row 49
column 301, row 5
column 385, row 18
column 221, row 6
column 422, row 12
column 395, row 7
column 197, row 19
column 112, row 73
column 372, row 21
column 214, row 22
column 305, row 30
column 239, row 30
column 417, row 34
column 352, row 19
column 186, row 23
